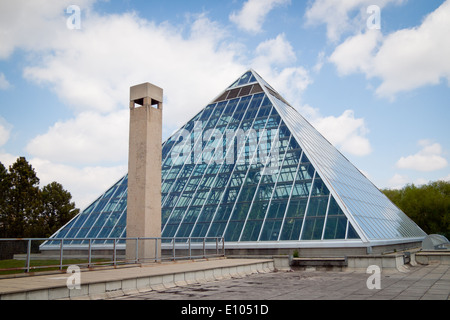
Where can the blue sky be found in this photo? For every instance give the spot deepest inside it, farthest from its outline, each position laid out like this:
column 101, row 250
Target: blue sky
column 380, row 95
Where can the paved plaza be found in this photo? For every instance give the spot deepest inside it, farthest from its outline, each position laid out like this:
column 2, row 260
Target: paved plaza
column 431, row 282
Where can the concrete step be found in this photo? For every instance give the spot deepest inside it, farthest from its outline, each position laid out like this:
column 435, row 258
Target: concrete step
column 319, row 262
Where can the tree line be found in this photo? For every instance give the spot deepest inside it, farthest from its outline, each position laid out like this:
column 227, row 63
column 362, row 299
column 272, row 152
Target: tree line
column 427, row 205
column 28, row 211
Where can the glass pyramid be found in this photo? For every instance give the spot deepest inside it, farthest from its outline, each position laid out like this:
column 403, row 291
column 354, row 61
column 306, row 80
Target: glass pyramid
column 250, row 168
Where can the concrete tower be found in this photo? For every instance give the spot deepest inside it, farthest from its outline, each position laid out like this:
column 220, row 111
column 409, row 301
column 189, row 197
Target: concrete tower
column 144, row 170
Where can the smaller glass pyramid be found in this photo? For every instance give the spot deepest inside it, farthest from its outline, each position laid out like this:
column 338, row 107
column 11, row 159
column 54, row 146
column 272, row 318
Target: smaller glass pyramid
column 250, row 168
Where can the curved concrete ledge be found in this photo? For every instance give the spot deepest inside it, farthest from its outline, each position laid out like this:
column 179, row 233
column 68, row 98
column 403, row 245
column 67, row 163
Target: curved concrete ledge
column 110, row 283
column 426, row 257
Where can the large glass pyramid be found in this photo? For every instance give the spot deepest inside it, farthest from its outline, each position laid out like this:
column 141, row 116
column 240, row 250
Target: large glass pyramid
column 250, row 168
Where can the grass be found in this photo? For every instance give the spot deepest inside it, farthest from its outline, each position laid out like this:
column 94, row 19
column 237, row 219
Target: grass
column 9, row 264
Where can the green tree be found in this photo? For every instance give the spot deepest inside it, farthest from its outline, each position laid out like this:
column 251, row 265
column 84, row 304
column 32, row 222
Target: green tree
column 27, row 211
column 57, row 208
column 22, row 198
column 427, row 205
column 3, row 190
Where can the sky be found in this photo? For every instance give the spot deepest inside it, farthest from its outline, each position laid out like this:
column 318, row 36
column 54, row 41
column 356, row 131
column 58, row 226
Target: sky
column 372, row 76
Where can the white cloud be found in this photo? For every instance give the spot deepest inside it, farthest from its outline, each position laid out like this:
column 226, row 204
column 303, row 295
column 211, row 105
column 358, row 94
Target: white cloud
column 4, row 83
column 7, row 159
column 88, row 139
column 404, row 60
column 276, row 51
column 320, row 61
column 342, row 16
column 274, row 60
column 253, row 14
column 345, row 132
column 426, row 160
column 398, row 181
column 356, row 53
column 5, row 131
column 85, row 184
column 34, row 25
column 415, row 57
column 420, row 181
column 94, row 67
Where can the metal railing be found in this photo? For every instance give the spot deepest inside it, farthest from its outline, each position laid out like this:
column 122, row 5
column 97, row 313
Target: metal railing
column 100, row 249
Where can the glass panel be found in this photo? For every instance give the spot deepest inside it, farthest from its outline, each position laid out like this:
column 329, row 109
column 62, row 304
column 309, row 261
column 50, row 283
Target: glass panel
column 230, row 195
column 305, row 172
column 207, row 214
column 258, row 210
column 282, row 191
column 317, row 206
column 297, row 208
column 291, row 229
column 79, row 221
column 335, row 227
column 301, row 189
column 287, row 173
column 191, row 215
column 217, row 229
column 223, row 213
column 117, row 231
column 165, row 213
column 334, row 209
column 319, row 187
column 176, row 216
column 312, row 230
column 352, row 234
column 251, row 231
column 200, row 229
column 234, row 230
column 271, row 230
column 184, row 230
column 245, row 78
column 169, row 230
column 276, row 210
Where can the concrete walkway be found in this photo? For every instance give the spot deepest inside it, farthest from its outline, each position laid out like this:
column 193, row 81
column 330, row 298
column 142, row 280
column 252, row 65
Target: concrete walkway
column 430, row 282
column 108, row 283
column 234, row 279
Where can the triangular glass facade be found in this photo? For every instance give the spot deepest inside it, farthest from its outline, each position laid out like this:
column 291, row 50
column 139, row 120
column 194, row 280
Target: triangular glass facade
column 249, row 168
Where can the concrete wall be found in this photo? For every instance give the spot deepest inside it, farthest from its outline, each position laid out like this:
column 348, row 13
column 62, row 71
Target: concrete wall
column 427, row 257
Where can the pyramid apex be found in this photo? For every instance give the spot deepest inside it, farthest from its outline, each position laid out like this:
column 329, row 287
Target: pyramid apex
column 247, row 78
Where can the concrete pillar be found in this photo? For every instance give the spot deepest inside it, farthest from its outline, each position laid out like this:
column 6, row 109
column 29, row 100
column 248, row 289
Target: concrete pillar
column 144, row 170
